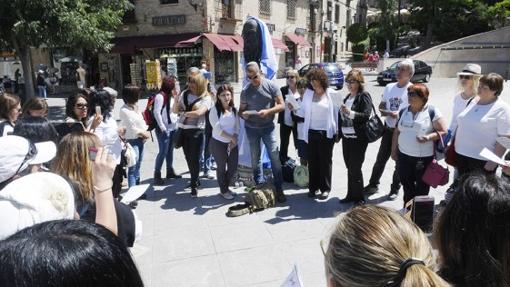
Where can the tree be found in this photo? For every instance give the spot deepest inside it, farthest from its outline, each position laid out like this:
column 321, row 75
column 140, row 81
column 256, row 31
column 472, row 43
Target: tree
column 500, row 13
column 57, row 23
column 357, row 33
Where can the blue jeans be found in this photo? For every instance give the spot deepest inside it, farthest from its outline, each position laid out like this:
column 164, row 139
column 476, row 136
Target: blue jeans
column 206, row 158
column 42, row 91
column 268, row 138
column 166, row 150
column 134, row 171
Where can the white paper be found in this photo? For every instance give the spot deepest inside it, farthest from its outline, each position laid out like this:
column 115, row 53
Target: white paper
column 134, row 193
column 293, row 279
column 251, row 112
column 291, row 100
column 489, row 155
column 504, row 142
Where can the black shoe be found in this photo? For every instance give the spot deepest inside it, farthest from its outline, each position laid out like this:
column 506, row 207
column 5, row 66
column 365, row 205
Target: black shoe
column 157, row 179
column 311, row 194
column 359, row 202
column 346, row 200
column 370, row 189
column 194, row 192
column 133, row 204
column 190, row 185
column 170, row 173
column 280, row 197
column 393, row 195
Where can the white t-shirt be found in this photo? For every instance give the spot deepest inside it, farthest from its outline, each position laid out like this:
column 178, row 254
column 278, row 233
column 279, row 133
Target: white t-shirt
column 228, row 123
column 319, row 115
column 479, row 126
column 411, row 126
column 132, row 121
column 287, row 119
column 395, row 99
column 347, row 125
column 107, row 132
column 459, row 104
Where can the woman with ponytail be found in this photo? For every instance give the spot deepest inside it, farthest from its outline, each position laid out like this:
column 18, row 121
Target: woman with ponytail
column 373, row 246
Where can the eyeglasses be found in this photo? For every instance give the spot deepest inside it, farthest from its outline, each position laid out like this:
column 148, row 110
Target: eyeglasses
column 253, row 77
column 80, row 106
column 291, row 77
column 32, row 151
column 465, row 77
column 350, row 82
column 412, row 94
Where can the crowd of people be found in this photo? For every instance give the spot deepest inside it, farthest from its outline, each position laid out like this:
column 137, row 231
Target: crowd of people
column 53, row 174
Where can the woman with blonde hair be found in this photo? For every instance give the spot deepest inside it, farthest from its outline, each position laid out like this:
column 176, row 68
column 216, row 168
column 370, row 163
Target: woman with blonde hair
column 375, row 246
column 75, row 157
column 193, row 104
column 287, row 125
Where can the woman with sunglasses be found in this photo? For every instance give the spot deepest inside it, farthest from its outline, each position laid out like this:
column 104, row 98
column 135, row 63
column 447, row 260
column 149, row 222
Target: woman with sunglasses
column 485, row 119
column 355, row 112
column 10, row 109
column 287, row 125
column 77, row 110
column 418, row 126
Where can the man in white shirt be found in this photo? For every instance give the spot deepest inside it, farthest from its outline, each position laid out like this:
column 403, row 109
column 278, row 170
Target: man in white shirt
column 393, row 100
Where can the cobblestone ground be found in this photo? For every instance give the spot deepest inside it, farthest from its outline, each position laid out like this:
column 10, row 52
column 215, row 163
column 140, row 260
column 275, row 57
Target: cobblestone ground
column 190, row 242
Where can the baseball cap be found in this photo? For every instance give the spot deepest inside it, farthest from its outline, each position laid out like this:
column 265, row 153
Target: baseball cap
column 17, row 153
column 32, row 199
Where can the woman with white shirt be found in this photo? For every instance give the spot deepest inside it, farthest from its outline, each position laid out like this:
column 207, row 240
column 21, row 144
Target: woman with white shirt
column 355, row 112
column 418, row 126
column 301, row 144
column 166, row 125
column 10, row 109
column 479, row 125
column 319, row 130
column 192, row 106
column 287, row 125
column 136, row 134
column 108, row 131
column 224, row 120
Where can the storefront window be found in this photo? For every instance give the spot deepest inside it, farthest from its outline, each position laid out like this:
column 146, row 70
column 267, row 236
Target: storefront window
column 224, row 66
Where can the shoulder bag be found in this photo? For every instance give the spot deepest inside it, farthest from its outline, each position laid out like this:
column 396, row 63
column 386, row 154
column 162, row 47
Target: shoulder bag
column 374, row 127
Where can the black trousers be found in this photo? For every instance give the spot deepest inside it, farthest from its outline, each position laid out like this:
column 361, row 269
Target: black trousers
column 411, row 174
column 193, row 139
column 320, row 160
column 382, row 157
column 354, row 155
column 467, row 165
column 285, row 132
column 226, row 162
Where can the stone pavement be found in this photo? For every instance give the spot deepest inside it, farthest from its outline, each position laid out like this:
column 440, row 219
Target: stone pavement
column 190, row 242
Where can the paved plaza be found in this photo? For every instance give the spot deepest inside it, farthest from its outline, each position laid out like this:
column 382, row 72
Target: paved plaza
column 190, row 242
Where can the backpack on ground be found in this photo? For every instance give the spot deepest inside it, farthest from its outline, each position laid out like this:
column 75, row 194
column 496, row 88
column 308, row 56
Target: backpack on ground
column 301, row 176
column 257, row 198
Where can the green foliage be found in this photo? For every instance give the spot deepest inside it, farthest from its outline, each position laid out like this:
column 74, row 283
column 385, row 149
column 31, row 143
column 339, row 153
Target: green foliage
column 356, row 33
column 357, row 51
column 500, row 12
column 84, row 23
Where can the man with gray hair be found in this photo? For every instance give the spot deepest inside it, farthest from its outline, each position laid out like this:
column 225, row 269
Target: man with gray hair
column 261, row 99
column 394, row 99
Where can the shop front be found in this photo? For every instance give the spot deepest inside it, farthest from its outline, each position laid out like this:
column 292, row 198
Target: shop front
column 298, row 50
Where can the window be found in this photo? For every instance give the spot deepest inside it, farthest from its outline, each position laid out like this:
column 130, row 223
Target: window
column 329, row 11
column 169, row 1
column 265, row 7
column 337, row 13
column 226, row 9
column 291, row 9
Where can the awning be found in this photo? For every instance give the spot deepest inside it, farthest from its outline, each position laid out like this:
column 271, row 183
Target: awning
column 278, row 44
column 298, row 40
column 219, row 41
column 128, row 45
column 234, row 43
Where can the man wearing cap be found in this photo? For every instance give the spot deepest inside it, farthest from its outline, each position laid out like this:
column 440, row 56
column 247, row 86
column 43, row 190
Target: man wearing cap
column 17, row 154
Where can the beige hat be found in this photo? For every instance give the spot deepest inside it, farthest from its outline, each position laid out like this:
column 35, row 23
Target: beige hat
column 471, row 70
column 32, row 199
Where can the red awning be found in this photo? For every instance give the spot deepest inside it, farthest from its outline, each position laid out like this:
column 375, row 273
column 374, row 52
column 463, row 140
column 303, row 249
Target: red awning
column 278, row 44
column 232, row 42
column 298, row 40
column 128, row 45
column 219, row 41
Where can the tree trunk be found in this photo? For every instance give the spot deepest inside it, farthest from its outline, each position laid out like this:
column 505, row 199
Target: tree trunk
column 430, row 26
column 28, row 72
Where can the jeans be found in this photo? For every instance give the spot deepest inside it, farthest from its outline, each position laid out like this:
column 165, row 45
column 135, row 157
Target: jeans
column 227, row 162
column 42, row 91
column 166, row 150
column 411, row 175
column 285, row 132
column 320, row 161
column 192, row 143
column 206, row 159
column 382, row 157
column 267, row 136
column 354, row 155
column 134, row 171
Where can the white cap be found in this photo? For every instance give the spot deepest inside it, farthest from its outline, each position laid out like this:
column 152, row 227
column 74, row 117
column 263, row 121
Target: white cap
column 32, row 199
column 471, row 70
column 16, row 153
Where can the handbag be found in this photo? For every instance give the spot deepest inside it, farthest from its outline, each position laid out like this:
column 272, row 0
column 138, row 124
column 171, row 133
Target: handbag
column 178, row 138
column 374, row 127
column 451, row 154
column 130, row 154
column 435, row 174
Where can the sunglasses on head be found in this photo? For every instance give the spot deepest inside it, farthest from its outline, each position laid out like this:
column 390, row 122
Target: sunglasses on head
column 465, row 77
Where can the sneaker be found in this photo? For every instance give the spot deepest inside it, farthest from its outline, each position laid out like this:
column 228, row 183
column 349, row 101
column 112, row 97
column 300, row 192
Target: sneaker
column 393, row 195
column 227, row 195
column 324, row 195
column 194, row 193
column 370, row 189
column 208, row 175
column 311, row 194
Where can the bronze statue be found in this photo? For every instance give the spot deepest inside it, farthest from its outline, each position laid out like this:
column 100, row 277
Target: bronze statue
column 252, row 37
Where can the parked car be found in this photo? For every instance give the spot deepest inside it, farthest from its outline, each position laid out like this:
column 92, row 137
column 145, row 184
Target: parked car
column 422, row 72
column 334, row 71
